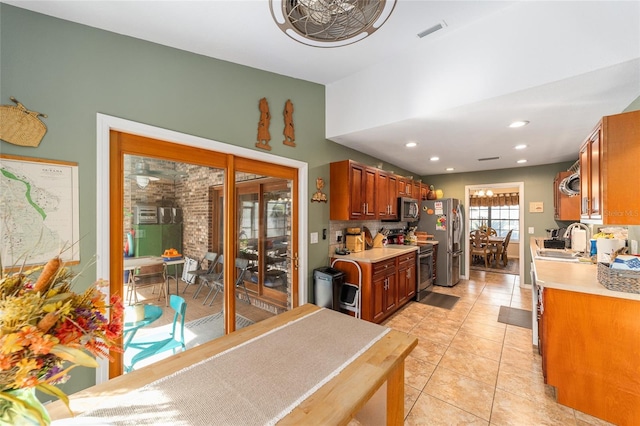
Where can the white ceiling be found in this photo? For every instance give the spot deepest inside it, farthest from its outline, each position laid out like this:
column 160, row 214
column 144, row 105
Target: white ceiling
column 453, row 92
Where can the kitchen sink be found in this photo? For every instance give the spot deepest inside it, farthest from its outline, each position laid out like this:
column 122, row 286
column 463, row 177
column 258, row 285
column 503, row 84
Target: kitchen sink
column 558, row 254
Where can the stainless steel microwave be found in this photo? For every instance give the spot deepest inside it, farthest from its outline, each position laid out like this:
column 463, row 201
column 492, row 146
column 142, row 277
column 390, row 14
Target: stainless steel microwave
column 408, row 209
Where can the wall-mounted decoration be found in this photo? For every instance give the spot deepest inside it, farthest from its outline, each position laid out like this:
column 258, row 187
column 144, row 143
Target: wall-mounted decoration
column 20, row 126
column 263, row 125
column 43, row 220
column 289, row 131
column 319, row 196
column 536, row 207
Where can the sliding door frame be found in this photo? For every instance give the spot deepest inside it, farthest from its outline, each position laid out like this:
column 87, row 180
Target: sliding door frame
column 109, row 190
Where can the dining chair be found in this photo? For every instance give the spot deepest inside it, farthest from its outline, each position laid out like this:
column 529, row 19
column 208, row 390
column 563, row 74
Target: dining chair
column 480, row 247
column 241, row 268
column 150, row 275
column 503, row 248
column 173, row 342
column 210, row 259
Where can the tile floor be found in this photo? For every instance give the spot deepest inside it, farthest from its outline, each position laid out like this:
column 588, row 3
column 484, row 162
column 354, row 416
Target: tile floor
column 468, row 368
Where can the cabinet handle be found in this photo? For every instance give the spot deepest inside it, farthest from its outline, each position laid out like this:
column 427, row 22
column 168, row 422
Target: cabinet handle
column 364, row 208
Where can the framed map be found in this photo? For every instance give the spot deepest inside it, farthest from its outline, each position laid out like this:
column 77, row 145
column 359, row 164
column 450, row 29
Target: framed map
column 39, row 211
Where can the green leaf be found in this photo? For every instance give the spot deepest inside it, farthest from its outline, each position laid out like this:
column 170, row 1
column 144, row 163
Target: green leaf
column 77, row 356
column 54, row 391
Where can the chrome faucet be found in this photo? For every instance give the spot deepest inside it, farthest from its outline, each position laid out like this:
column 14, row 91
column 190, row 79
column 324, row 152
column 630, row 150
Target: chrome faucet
column 567, row 234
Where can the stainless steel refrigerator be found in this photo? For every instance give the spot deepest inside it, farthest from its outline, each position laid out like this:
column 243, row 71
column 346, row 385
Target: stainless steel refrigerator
column 444, row 219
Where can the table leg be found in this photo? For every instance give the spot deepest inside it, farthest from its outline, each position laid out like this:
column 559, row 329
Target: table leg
column 395, row 395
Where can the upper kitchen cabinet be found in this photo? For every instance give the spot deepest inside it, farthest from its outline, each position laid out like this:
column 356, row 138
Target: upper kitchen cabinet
column 565, row 207
column 386, row 202
column 609, row 173
column 353, row 191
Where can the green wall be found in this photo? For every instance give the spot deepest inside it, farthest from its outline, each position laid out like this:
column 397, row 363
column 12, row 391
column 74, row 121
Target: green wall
column 71, row 72
column 538, row 186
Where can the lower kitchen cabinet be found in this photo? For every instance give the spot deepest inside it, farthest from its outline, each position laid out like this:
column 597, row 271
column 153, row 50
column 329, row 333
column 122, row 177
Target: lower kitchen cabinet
column 591, row 353
column 406, row 277
column 387, row 285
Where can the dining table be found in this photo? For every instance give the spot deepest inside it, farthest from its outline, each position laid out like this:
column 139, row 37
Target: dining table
column 131, row 263
column 338, row 368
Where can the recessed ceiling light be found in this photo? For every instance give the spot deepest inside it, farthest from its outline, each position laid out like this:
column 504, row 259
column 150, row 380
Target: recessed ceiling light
column 434, row 158
column 410, row 144
column 517, row 124
column 449, row 169
column 521, row 146
column 522, row 161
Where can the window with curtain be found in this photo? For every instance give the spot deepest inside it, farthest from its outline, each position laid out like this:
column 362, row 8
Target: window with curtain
column 501, row 218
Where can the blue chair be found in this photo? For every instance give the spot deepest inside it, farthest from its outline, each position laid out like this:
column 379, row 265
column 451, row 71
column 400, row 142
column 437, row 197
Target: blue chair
column 149, row 349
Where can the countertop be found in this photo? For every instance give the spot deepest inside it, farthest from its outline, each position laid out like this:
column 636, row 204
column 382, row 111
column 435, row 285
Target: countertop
column 378, row 254
column 572, row 276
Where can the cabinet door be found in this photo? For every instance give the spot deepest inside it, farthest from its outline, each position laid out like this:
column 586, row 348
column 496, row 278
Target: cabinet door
column 594, row 161
column 357, row 205
column 382, row 192
column 393, row 197
column 402, row 187
column 585, row 186
column 370, row 193
column 391, row 293
column 424, row 190
column 411, row 278
column 378, row 287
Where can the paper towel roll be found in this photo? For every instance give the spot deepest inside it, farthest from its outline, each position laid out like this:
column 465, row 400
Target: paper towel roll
column 579, row 240
column 606, row 246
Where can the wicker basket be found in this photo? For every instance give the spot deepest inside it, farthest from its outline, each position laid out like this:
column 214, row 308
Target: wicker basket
column 21, row 126
column 618, row 280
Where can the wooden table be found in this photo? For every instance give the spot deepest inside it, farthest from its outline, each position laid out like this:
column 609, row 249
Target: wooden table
column 379, row 368
column 131, row 263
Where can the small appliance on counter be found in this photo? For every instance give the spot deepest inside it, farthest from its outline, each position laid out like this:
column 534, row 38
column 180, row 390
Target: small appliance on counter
column 354, row 240
column 555, row 239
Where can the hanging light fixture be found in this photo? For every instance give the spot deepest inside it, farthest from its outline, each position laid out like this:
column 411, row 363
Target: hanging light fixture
column 330, row 23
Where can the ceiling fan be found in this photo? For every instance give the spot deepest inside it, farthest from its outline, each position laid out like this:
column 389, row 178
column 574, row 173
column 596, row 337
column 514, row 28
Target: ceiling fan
column 330, row 23
column 143, row 174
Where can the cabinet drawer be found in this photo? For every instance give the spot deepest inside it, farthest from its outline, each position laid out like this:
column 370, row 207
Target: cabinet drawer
column 383, row 268
column 406, row 259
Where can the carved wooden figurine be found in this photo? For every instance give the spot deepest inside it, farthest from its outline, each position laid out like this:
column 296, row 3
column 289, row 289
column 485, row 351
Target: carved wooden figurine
column 289, row 131
column 319, row 196
column 263, row 125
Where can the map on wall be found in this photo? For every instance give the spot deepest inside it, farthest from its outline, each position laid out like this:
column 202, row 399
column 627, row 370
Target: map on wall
column 39, row 214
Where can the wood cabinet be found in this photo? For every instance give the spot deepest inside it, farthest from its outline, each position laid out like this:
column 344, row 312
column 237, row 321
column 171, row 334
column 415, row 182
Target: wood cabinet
column 386, row 201
column 565, row 207
column 353, row 191
column 590, row 353
column 387, row 285
column 384, row 289
column 360, row 192
column 609, row 172
column 406, row 277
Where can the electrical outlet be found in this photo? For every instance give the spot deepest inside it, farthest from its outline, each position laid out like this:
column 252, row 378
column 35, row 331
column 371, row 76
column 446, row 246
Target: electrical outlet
column 531, row 231
column 314, row 238
column 338, row 236
column 634, row 246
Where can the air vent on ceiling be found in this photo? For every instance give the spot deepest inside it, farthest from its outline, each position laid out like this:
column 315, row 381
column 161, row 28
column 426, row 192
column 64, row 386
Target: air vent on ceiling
column 432, row 30
column 488, row 158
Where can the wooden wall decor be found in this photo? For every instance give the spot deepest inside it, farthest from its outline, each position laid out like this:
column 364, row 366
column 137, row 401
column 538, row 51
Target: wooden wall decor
column 289, row 131
column 263, row 125
column 20, row 126
column 319, row 196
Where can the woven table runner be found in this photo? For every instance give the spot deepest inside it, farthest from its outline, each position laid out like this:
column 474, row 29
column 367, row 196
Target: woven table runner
column 256, row 383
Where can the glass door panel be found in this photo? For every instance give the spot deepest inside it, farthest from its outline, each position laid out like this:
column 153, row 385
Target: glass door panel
column 264, row 211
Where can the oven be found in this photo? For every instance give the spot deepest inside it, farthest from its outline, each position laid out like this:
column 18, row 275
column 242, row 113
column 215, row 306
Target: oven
column 425, row 271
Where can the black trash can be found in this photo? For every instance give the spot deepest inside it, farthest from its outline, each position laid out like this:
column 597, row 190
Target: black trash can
column 327, row 284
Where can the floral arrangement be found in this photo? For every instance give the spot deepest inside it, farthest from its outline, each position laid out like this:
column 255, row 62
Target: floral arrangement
column 46, row 330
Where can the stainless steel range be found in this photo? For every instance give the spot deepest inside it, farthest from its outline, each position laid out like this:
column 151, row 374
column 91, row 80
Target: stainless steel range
column 425, row 270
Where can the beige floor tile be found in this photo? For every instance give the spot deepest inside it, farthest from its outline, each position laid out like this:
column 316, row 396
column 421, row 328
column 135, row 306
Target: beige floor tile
column 491, row 332
column 520, row 304
column 417, row 372
column 477, row 345
column 431, row 411
column 484, row 309
column 402, row 323
column 486, row 319
column 494, row 299
column 468, row 364
column 462, row 392
column 525, row 383
column 411, row 395
column 429, row 351
column 583, row 419
column 510, row 409
column 518, row 337
column 526, row 359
